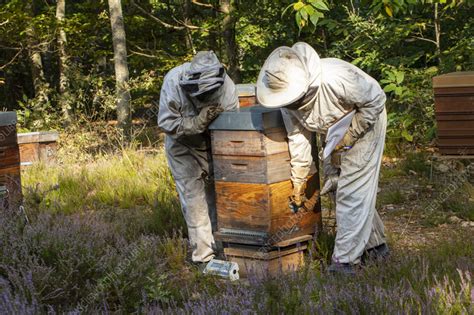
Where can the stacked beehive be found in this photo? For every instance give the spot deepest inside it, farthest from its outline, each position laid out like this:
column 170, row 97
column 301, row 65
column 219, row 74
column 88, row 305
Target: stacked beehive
column 10, row 181
column 454, row 103
column 252, row 181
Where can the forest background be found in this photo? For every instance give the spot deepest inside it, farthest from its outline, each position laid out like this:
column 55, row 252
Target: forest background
column 57, row 57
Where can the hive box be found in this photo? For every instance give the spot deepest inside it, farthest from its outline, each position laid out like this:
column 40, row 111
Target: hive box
column 454, row 104
column 10, row 180
column 252, row 180
column 246, row 93
column 37, row 146
column 263, row 261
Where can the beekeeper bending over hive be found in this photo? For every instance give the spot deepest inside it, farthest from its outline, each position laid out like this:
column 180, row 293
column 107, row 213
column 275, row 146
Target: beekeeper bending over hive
column 192, row 96
column 314, row 93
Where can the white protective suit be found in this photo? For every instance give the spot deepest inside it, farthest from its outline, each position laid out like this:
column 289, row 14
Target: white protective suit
column 189, row 156
column 342, row 87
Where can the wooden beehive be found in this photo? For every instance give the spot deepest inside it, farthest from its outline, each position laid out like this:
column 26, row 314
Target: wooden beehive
column 37, row 146
column 10, row 178
column 454, row 104
column 252, row 180
column 262, row 261
column 246, row 93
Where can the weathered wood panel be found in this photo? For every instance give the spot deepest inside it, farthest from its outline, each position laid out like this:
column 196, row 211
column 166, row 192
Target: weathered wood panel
column 249, row 143
column 252, row 169
column 29, row 152
column 255, row 261
column 242, row 206
column 265, row 208
column 9, row 156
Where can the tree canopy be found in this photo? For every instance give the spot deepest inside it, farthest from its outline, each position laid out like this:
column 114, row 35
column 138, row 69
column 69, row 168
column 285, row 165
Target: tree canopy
column 402, row 43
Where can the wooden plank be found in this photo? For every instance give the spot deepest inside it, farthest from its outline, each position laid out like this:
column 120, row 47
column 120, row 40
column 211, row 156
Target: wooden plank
column 258, row 252
column 242, row 206
column 278, row 167
column 9, row 156
column 47, row 151
column 237, row 142
column 299, row 239
column 275, row 141
column 42, row 136
column 263, row 267
column 29, row 152
column 12, row 170
column 242, row 169
column 251, row 169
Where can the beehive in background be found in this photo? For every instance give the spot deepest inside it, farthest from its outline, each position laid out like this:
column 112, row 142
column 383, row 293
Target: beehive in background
column 10, row 178
column 246, row 93
column 37, row 146
column 454, row 104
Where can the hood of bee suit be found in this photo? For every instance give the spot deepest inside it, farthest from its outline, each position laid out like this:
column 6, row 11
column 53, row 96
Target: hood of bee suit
column 287, row 75
column 204, row 74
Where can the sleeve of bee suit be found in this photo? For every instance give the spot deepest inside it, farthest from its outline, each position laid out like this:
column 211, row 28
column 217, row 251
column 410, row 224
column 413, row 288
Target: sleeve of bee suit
column 173, row 118
column 299, row 141
column 365, row 94
column 169, row 115
column 230, row 100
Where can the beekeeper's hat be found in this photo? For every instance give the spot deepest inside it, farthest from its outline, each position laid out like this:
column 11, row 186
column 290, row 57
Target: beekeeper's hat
column 286, row 77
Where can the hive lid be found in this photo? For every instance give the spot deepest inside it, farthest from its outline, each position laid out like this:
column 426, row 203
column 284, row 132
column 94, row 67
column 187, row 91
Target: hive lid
column 7, row 118
column 244, row 90
column 249, row 118
column 454, row 79
column 34, row 137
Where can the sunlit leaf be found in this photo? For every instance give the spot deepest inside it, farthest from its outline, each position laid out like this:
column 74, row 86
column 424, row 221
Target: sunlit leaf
column 407, row 136
column 389, row 11
column 298, row 5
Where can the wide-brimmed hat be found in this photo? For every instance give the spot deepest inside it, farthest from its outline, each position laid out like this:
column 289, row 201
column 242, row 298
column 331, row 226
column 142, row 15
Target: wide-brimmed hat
column 283, row 79
column 204, row 74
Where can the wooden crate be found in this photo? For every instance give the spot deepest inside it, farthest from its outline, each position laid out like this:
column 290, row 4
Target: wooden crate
column 10, row 179
column 454, row 104
column 37, row 146
column 263, row 261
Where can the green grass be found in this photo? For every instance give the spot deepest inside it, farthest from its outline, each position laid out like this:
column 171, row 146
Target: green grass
column 132, row 186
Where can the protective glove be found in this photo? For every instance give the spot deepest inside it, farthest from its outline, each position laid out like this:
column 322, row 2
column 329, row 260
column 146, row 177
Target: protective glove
column 298, row 197
column 346, row 143
column 330, row 184
column 198, row 124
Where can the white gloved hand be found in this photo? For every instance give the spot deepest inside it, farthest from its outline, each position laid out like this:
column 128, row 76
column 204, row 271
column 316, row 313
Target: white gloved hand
column 330, row 184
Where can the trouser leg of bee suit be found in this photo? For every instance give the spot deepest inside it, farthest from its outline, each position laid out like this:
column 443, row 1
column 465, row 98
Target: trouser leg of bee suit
column 358, row 224
column 196, row 205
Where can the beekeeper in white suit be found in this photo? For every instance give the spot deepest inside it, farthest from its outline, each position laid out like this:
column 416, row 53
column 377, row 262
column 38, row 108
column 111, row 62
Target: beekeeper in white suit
column 314, row 93
column 192, row 96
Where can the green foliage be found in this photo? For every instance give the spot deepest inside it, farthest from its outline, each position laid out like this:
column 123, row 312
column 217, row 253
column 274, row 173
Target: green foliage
column 308, row 13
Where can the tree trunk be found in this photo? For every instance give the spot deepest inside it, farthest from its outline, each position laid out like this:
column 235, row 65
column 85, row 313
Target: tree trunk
column 228, row 30
column 437, row 25
column 121, row 68
column 187, row 21
column 37, row 71
column 64, row 98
